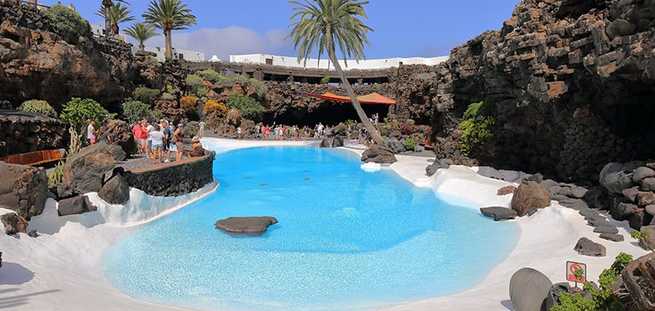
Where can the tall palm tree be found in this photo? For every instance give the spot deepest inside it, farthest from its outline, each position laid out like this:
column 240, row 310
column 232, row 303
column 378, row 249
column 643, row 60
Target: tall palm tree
column 106, row 6
column 141, row 32
column 169, row 15
column 324, row 26
column 116, row 15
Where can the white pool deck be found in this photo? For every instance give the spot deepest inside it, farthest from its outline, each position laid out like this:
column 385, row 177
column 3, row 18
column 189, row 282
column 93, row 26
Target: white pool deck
column 62, row 270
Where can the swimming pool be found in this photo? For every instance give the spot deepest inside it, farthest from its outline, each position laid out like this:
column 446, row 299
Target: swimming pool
column 346, row 239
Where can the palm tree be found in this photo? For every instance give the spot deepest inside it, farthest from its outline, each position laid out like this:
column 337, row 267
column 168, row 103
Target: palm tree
column 106, row 6
column 141, row 32
column 115, row 14
column 328, row 25
column 169, row 15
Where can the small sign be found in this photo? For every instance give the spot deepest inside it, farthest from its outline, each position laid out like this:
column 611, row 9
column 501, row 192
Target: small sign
column 576, row 272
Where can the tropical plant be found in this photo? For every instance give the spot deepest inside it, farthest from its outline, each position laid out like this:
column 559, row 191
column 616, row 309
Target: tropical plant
column 169, row 15
column 328, row 26
column 141, row 32
column 211, row 75
column 248, row 107
column 145, row 95
column 38, row 106
column 105, row 6
column 213, row 107
column 135, row 110
column 68, row 23
column 476, row 128
column 77, row 111
column 115, row 14
column 410, row 144
column 189, row 103
column 197, row 85
column 56, row 175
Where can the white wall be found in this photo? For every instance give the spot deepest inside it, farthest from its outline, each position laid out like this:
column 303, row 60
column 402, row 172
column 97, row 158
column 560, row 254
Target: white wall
column 191, row 56
column 290, row 61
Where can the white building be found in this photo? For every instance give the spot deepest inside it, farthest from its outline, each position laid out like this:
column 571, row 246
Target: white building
column 188, row 55
column 291, row 61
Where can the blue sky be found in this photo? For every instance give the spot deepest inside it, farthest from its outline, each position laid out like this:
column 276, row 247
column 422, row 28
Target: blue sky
column 402, row 28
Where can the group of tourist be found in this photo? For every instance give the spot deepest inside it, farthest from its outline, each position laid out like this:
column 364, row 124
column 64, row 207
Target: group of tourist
column 156, row 141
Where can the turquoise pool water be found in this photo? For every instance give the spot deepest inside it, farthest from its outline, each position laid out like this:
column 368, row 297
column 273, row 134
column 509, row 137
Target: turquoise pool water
column 346, row 239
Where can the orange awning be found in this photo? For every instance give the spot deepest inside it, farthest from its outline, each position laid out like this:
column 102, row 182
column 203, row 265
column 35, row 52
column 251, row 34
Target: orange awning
column 370, row 99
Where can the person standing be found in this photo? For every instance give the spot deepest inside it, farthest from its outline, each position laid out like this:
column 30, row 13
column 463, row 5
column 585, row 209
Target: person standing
column 168, row 135
column 91, row 132
column 157, row 140
column 178, row 138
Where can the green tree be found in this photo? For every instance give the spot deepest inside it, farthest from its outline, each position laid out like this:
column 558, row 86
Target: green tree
column 169, row 15
column 115, row 15
column 68, row 23
column 106, row 6
column 77, row 111
column 327, row 25
column 141, row 32
column 249, row 107
column 135, row 110
column 145, row 95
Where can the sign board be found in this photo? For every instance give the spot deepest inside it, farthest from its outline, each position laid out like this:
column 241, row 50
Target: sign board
column 576, row 272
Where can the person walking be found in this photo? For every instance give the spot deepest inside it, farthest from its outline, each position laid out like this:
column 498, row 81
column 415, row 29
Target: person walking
column 178, row 138
column 91, row 132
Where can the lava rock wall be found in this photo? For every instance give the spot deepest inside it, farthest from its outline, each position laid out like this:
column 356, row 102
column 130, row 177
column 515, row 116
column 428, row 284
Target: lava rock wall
column 22, row 132
column 571, row 83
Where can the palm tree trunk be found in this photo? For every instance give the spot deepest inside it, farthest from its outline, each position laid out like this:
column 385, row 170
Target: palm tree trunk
column 358, row 108
column 142, row 47
column 106, row 4
column 169, row 45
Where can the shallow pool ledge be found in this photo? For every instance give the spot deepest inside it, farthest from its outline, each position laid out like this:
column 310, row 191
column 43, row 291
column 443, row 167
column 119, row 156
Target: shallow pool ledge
column 462, row 184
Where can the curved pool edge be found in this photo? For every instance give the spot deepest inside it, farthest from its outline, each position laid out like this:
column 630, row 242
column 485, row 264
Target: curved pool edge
column 79, row 280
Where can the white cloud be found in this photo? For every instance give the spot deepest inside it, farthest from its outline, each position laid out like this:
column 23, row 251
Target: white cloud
column 229, row 40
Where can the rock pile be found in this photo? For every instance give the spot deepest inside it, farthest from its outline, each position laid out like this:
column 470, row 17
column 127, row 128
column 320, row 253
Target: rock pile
column 23, row 189
column 25, row 132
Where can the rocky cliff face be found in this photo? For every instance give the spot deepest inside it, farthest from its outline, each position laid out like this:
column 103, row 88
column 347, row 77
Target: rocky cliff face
column 571, row 83
column 35, row 62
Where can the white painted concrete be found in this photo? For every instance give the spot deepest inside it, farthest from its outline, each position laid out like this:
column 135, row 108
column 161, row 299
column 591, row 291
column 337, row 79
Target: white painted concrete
column 292, row 61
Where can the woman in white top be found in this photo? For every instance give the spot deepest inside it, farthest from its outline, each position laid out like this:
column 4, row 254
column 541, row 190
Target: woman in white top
column 156, row 137
column 91, row 133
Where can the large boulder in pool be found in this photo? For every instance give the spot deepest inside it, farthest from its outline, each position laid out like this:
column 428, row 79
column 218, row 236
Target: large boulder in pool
column 379, row 154
column 529, row 196
column 529, row 290
column 23, row 189
column 84, row 171
column 246, row 225
column 332, row 142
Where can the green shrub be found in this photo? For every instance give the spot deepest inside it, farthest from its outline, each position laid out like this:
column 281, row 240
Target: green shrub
column 325, row 80
column 38, row 106
column 410, row 144
column 476, row 127
column 68, row 23
column 56, row 175
column 145, row 95
column 168, row 96
column 602, row 298
column 197, row 85
column 249, row 107
column 135, row 110
column 77, row 111
column 210, row 75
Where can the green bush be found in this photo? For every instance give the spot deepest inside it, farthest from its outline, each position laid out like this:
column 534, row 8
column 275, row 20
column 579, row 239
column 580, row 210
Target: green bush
column 197, row 85
column 410, row 144
column 210, row 75
column 168, row 96
column 77, row 111
column 325, row 80
column 135, row 110
column 38, row 106
column 476, row 127
column 249, row 107
column 145, row 95
column 68, row 23
column 602, row 298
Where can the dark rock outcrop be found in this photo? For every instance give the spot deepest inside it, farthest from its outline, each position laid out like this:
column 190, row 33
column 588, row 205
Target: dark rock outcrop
column 499, row 213
column 378, row 154
column 246, row 225
column 570, row 89
column 84, row 171
column 174, row 179
column 34, row 55
column 530, row 195
column 529, row 290
column 23, row 189
column 116, row 190
column 118, row 132
column 74, row 206
column 638, row 281
column 588, row 247
column 332, row 142
column 14, row 224
column 432, row 169
column 25, row 132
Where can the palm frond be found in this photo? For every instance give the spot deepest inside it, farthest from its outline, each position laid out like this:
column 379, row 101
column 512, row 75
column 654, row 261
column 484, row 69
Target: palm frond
column 169, row 15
